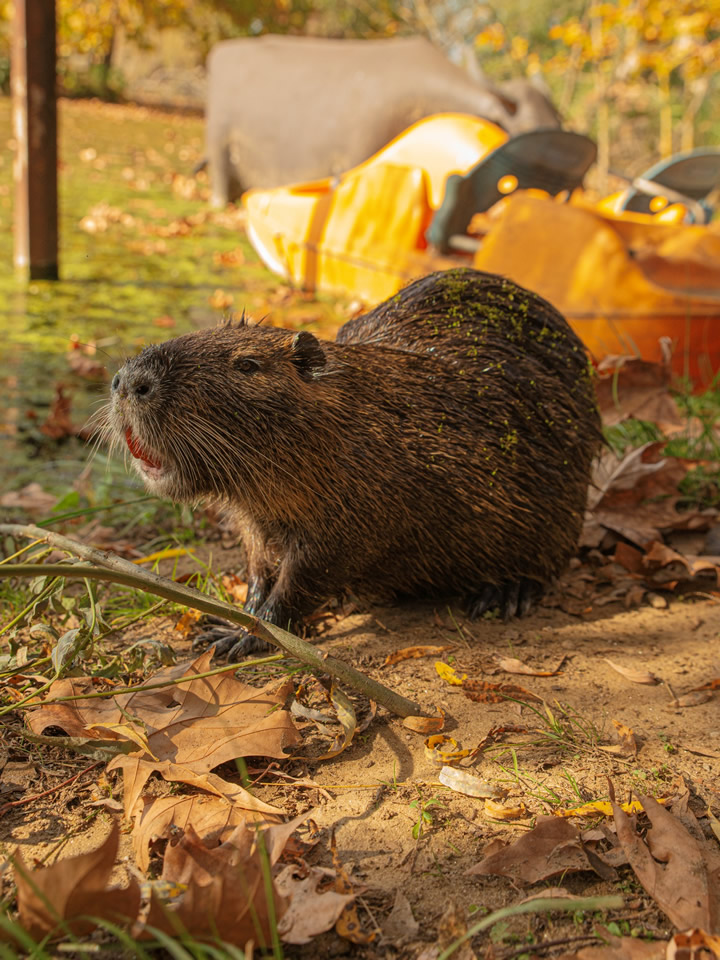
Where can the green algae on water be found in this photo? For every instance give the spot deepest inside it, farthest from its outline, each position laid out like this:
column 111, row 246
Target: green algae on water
column 140, row 261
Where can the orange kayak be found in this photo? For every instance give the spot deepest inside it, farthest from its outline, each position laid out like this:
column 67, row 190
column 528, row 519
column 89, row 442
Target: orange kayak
column 627, row 282
column 623, row 282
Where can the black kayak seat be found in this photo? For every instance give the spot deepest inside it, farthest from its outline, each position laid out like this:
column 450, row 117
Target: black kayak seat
column 552, row 160
column 694, row 174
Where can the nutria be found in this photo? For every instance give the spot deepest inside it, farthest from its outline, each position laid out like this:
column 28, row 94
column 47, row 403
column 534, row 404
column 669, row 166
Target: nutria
column 442, row 445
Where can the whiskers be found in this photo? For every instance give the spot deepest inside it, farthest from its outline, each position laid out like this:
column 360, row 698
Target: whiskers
column 202, row 456
column 228, row 465
column 102, row 433
column 246, row 460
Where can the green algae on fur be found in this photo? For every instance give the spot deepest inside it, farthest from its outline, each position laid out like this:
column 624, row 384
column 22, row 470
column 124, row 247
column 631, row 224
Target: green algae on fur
column 388, row 460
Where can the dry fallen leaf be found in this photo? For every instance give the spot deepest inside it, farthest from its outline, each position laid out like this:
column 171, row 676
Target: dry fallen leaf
column 439, row 748
column 452, row 927
column 401, row 925
column 449, row 674
column 659, row 557
column 689, row 945
column 613, row 473
column 628, row 387
column 512, row 665
column 630, row 673
column 594, row 807
column 87, row 367
column 309, row 912
column 636, row 495
column 629, row 557
column 503, row 811
column 31, row 498
column 224, row 892
column 482, row 691
column 679, row 869
column 58, row 423
column 164, row 321
column 410, row 653
column 626, row 738
column 345, row 714
column 186, row 187
column 212, row 818
column 221, row 300
column 693, row 699
column 187, row 621
column 191, row 728
column 236, row 588
column 425, row 724
column 73, row 889
column 692, row 943
column 553, row 847
column 620, row 948
column 347, row 924
column 461, row 781
column 229, row 258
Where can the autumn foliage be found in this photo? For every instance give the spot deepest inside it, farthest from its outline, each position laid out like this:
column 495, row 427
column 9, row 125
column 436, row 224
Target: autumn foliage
column 630, row 57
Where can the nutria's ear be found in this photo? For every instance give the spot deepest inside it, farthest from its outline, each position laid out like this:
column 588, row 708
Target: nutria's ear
column 306, row 352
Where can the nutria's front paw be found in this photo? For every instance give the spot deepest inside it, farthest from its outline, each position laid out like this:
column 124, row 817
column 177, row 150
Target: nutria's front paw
column 244, row 644
column 226, row 640
column 509, row 599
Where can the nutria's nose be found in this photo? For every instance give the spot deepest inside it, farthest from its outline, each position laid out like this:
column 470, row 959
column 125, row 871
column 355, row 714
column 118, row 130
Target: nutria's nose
column 129, row 383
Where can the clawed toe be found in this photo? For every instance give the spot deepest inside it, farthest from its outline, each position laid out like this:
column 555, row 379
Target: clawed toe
column 214, row 636
column 509, row 599
column 235, row 643
column 214, row 621
column 530, row 593
column 246, row 644
column 509, row 602
column 487, row 599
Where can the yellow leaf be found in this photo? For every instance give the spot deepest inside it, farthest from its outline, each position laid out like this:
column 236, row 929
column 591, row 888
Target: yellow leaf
column 448, row 674
column 434, row 749
column 601, row 806
column 164, row 554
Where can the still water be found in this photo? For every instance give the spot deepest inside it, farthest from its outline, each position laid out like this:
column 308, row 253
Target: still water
column 142, row 258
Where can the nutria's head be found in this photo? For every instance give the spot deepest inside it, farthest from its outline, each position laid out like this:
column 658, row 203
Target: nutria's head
column 207, row 414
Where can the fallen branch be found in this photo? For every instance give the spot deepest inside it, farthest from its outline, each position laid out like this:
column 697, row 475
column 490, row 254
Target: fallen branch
column 113, row 568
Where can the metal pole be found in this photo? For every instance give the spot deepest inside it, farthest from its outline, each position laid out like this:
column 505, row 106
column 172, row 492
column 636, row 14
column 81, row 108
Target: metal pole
column 33, row 72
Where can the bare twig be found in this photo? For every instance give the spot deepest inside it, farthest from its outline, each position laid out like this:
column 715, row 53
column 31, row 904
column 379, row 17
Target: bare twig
column 32, row 699
column 58, row 786
column 548, row 945
column 122, row 571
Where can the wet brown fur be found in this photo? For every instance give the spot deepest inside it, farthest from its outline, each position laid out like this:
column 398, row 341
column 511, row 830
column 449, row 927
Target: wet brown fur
column 444, row 441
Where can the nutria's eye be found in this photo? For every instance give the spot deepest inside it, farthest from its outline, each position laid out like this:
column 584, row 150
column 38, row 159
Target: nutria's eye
column 246, row 365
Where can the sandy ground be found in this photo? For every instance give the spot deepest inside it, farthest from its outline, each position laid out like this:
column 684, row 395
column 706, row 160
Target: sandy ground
column 366, row 793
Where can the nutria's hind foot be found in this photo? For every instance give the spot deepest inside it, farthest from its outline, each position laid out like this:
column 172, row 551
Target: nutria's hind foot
column 227, row 640
column 509, row 599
